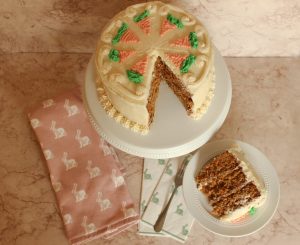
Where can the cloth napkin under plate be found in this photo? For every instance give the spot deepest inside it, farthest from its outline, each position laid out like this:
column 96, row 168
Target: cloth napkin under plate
column 152, row 172
column 85, row 171
column 178, row 220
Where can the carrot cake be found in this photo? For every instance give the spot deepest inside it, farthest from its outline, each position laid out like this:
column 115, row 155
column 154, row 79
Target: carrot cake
column 143, row 45
column 230, row 185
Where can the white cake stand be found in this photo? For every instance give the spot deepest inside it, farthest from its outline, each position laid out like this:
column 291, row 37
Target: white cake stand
column 172, row 133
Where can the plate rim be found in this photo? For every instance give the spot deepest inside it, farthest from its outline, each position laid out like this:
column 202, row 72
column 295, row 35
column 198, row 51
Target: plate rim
column 235, row 141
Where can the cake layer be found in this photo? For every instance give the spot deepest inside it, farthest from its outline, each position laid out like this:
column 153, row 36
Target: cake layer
column 225, row 187
column 157, row 76
column 237, row 199
column 216, row 169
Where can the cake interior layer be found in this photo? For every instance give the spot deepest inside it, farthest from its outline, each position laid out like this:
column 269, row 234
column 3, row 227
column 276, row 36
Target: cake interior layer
column 178, row 88
column 154, row 89
column 225, row 184
column 225, row 187
column 237, row 199
column 216, row 169
column 163, row 72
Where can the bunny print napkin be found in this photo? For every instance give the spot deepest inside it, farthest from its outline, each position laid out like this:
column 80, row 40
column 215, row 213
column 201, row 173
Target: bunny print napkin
column 152, row 172
column 178, row 220
column 84, row 170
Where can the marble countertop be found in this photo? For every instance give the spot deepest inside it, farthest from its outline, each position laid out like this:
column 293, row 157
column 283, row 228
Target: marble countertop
column 238, row 28
column 265, row 112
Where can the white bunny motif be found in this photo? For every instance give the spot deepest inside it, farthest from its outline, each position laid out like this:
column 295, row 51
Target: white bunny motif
column 58, row 132
column 89, row 228
column 48, row 103
column 48, row 154
column 127, row 212
column 71, row 109
column 103, row 203
column 68, row 219
column 118, row 180
column 105, row 147
column 83, row 141
column 93, row 172
column 69, row 163
column 108, row 150
column 35, row 122
column 79, row 195
column 57, row 186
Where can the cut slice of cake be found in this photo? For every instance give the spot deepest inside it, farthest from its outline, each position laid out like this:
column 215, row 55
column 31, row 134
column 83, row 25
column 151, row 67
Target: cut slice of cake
column 144, row 45
column 231, row 186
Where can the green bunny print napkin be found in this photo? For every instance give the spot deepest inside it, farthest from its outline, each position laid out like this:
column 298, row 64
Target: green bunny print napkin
column 178, row 221
column 152, row 172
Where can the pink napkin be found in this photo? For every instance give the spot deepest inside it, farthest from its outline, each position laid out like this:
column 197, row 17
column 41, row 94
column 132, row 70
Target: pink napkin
column 85, row 171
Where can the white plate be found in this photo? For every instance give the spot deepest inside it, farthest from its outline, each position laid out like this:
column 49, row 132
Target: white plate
column 172, row 133
column 197, row 202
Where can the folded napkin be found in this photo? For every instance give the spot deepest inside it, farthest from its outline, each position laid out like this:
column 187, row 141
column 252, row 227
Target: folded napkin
column 85, row 171
column 152, row 172
column 178, row 220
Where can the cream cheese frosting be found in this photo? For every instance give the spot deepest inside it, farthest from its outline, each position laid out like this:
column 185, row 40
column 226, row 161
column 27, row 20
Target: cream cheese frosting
column 129, row 47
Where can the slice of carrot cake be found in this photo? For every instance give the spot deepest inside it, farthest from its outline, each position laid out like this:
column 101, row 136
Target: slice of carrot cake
column 231, row 186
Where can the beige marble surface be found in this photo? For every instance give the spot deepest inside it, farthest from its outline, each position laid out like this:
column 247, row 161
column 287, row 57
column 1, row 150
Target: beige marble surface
column 265, row 112
column 238, row 27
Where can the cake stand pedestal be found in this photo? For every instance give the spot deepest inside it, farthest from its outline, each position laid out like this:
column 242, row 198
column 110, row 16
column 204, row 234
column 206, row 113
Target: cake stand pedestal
column 172, row 133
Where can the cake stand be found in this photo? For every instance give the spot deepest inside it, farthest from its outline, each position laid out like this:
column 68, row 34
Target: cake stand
column 172, row 133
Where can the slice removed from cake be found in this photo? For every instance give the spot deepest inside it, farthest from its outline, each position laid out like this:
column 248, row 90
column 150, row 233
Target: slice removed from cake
column 231, row 185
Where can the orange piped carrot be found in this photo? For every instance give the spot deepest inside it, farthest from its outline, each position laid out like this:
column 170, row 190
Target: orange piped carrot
column 129, row 37
column 166, row 26
column 124, row 54
column 145, row 25
column 177, row 59
column 141, row 65
column 182, row 42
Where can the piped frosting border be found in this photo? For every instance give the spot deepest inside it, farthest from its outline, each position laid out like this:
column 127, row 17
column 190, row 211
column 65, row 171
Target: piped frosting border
column 115, row 114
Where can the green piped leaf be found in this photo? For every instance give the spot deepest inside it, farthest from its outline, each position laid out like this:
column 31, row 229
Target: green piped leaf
column 134, row 76
column 173, row 20
column 193, row 39
column 141, row 16
column 252, row 211
column 114, row 55
column 186, row 64
column 120, row 33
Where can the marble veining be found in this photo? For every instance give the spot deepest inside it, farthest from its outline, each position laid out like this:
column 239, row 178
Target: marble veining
column 265, row 112
column 238, row 28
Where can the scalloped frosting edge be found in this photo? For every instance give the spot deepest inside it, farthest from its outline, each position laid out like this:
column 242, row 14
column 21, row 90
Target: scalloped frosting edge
column 199, row 112
column 115, row 114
